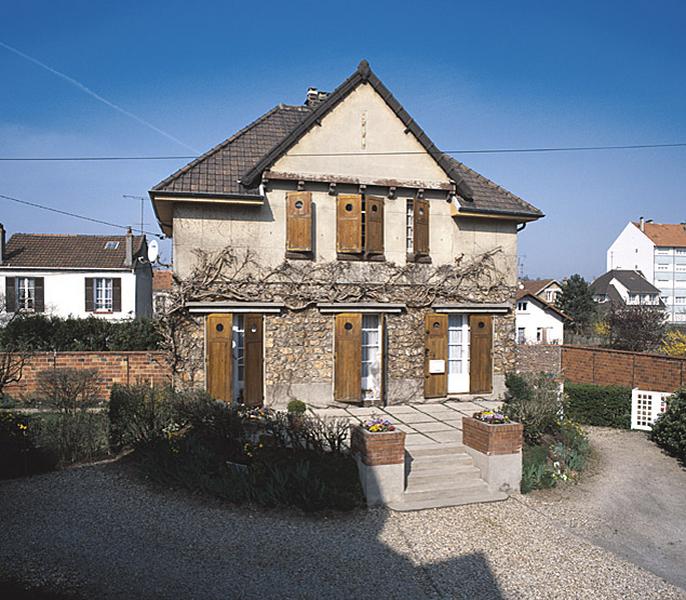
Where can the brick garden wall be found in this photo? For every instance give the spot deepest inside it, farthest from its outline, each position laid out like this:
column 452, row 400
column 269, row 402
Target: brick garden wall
column 631, row 369
column 113, row 367
column 534, row 358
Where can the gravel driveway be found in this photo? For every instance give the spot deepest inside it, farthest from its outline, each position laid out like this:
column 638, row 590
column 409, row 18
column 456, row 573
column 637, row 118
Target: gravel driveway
column 634, row 503
column 96, row 531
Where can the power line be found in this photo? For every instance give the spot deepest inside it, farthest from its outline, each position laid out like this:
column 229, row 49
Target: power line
column 388, row 153
column 76, row 216
column 95, row 95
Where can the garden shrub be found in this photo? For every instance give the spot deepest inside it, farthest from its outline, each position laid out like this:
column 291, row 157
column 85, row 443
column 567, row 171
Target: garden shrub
column 296, row 407
column 50, row 333
column 19, row 453
column 537, row 473
column 601, row 405
column 534, row 401
column 73, row 437
column 139, row 414
column 669, row 431
column 69, row 390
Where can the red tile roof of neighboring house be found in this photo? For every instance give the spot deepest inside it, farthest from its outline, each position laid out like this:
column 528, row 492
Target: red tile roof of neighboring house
column 162, row 280
column 525, row 294
column 63, row 251
column 665, row 234
column 535, row 286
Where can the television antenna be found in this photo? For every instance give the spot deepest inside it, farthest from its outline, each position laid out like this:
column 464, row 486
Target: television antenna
column 142, row 199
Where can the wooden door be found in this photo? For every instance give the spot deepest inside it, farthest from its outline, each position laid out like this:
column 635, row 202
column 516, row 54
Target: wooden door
column 435, row 374
column 348, row 357
column 254, row 361
column 481, row 354
column 219, row 361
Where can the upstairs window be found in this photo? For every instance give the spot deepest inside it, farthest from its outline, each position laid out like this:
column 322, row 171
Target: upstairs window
column 360, row 227
column 522, row 306
column 103, row 294
column 417, row 230
column 111, row 245
column 299, row 225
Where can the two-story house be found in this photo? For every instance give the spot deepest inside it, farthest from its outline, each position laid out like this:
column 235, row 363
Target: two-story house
column 658, row 251
column 537, row 320
column 331, row 252
column 622, row 288
column 107, row 276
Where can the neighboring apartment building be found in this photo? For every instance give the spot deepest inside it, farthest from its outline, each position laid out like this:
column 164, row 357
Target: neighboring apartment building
column 107, row 276
column 625, row 288
column 538, row 321
column 545, row 289
column 658, row 251
column 331, row 253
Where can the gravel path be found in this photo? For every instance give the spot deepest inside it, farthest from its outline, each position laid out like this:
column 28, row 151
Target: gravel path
column 633, row 503
column 95, row 530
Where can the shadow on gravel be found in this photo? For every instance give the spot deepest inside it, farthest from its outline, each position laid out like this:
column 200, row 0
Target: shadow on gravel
column 114, row 538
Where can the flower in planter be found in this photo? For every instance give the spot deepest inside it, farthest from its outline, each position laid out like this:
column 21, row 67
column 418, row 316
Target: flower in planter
column 378, row 425
column 491, row 417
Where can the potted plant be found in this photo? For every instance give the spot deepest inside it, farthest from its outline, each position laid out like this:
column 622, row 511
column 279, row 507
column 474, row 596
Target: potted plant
column 296, row 413
column 492, row 432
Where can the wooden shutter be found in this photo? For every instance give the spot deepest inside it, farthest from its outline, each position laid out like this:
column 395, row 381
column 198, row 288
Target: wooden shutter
column 10, row 294
column 421, row 227
column 90, row 294
column 219, row 361
column 436, row 330
column 254, row 363
column 349, row 223
column 299, row 221
column 480, row 354
column 116, row 294
column 348, row 358
column 374, row 225
column 39, row 298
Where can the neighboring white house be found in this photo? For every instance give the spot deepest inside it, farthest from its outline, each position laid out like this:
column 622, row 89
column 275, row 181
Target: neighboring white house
column 107, row 276
column 538, row 321
column 625, row 287
column 658, row 251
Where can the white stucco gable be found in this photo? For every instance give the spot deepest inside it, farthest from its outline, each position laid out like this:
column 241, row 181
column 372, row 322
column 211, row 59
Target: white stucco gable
column 362, row 123
column 632, row 250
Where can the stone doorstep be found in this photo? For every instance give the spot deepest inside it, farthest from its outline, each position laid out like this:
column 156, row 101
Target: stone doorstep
column 446, row 437
column 418, row 439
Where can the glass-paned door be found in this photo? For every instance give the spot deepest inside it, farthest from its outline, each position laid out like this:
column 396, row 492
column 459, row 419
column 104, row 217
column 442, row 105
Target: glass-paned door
column 458, row 354
column 238, row 358
column 371, row 357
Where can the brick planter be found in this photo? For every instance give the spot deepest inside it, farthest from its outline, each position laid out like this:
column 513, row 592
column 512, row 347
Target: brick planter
column 492, row 439
column 381, row 448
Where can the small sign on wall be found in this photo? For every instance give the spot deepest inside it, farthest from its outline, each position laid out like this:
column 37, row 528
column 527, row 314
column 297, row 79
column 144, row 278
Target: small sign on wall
column 436, row 366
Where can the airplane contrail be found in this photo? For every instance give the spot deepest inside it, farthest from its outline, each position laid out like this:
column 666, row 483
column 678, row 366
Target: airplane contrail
column 93, row 94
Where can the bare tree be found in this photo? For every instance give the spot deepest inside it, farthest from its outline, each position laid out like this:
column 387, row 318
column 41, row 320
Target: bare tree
column 12, row 358
column 636, row 327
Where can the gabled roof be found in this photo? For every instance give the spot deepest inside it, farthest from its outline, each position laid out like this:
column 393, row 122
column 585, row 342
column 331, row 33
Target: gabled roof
column 535, row 286
column 61, row 251
column 665, row 234
column 632, row 280
column 234, row 168
column 521, row 294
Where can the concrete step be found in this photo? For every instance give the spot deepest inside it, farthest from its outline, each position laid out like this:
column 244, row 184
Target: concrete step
column 465, row 494
column 435, row 450
column 438, row 463
column 444, row 480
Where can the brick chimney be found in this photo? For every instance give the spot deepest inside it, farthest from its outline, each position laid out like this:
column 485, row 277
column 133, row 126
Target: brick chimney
column 128, row 260
column 2, row 243
column 315, row 97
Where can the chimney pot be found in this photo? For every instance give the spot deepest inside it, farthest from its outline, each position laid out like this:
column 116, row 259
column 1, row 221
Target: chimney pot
column 642, row 224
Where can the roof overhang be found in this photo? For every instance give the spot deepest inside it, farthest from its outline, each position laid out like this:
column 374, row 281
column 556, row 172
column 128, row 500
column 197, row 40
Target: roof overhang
column 360, row 307
column 163, row 203
column 474, row 308
column 482, row 213
column 234, row 307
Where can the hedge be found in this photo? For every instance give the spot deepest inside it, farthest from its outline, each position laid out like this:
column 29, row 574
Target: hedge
column 602, row 405
column 669, row 431
column 49, row 333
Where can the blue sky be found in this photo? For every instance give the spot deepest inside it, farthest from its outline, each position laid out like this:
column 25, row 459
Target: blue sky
column 474, row 75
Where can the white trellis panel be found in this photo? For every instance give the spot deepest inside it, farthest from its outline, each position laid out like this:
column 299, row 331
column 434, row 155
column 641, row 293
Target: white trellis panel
column 646, row 407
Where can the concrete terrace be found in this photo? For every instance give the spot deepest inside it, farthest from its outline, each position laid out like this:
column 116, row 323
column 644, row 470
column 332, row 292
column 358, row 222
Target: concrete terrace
column 424, row 424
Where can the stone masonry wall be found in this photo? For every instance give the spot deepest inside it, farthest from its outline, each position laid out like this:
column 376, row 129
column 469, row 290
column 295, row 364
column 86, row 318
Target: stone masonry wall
column 146, row 367
column 537, row 358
